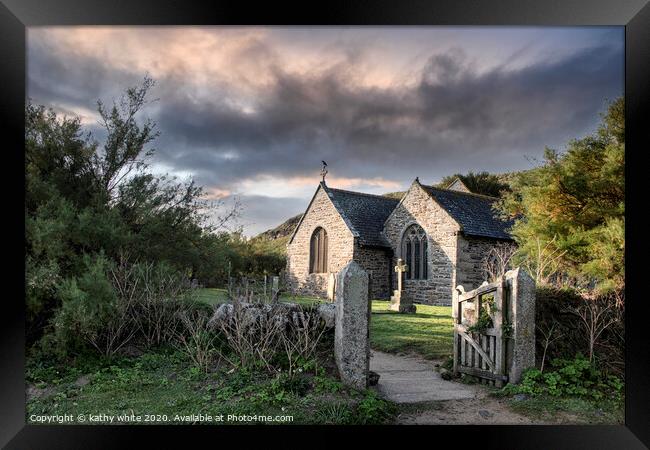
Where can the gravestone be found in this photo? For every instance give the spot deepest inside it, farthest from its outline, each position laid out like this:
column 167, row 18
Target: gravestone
column 331, row 287
column 351, row 338
column 275, row 287
column 521, row 306
column 399, row 301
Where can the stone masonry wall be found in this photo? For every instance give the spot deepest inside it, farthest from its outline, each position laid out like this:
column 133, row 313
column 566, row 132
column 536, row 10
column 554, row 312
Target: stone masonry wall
column 471, row 253
column 340, row 248
column 418, row 207
column 375, row 262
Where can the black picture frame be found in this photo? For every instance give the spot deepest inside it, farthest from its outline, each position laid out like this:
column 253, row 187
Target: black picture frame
column 16, row 15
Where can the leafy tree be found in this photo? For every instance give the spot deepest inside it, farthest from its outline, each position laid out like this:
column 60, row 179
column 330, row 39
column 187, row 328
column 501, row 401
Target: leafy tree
column 84, row 198
column 573, row 208
column 479, row 183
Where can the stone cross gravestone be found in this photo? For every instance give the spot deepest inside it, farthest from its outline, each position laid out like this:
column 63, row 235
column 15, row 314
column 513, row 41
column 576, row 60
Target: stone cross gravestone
column 351, row 338
column 399, row 301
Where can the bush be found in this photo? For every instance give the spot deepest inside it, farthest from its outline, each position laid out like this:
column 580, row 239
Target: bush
column 91, row 313
column 570, row 377
column 272, row 336
column 111, row 305
column 156, row 295
column 196, row 339
column 551, row 312
column 373, row 410
column 555, row 316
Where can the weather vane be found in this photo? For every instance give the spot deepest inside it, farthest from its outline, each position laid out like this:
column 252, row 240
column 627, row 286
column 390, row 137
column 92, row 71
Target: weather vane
column 323, row 171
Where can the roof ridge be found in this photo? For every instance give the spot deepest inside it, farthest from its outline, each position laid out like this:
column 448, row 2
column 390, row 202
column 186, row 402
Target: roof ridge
column 363, row 193
column 460, row 192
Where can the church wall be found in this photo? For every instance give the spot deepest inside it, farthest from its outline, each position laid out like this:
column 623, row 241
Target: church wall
column 340, row 248
column 376, row 262
column 472, row 252
column 441, row 229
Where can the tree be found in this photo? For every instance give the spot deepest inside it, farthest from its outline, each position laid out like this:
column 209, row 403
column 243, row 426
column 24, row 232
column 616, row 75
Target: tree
column 479, row 183
column 84, row 198
column 573, row 207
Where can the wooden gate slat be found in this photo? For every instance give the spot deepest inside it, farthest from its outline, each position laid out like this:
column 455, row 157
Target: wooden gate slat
column 484, row 347
column 467, row 338
column 481, row 354
column 478, row 372
column 462, row 350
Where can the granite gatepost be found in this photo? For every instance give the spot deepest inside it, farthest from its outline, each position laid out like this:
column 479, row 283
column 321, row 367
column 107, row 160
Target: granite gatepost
column 521, row 343
column 351, row 338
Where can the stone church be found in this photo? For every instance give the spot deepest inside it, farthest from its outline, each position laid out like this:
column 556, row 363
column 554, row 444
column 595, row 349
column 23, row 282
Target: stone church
column 442, row 235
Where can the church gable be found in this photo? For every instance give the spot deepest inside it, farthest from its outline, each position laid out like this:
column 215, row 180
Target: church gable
column 458, row 185
column 417, row 207
column 321, row 228
column 321, row 212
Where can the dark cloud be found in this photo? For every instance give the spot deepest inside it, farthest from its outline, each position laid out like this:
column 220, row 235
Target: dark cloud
column 455, row 117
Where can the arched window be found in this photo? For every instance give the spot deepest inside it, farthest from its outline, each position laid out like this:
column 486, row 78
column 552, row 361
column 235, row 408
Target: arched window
column 415, row 253
column 318, row 251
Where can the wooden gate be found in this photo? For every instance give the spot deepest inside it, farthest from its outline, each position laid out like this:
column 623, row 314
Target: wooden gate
column 479, row 344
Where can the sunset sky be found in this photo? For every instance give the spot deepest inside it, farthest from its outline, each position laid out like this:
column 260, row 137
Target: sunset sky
column 252, row 111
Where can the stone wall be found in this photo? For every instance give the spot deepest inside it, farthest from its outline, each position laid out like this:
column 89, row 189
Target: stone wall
column 321, row 213
column 472, row 252
column 375, row 261
column 418, row 207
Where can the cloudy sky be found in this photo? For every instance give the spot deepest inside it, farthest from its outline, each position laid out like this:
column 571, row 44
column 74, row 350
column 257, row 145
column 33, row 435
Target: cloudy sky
column 251, row 112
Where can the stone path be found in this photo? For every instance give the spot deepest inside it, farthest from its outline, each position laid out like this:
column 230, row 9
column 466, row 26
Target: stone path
column 409, row 379
column 427, row 399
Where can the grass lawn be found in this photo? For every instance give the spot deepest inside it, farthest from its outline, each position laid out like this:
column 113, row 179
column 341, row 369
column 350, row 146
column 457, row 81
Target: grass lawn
column 429, row 332
column 212, row 296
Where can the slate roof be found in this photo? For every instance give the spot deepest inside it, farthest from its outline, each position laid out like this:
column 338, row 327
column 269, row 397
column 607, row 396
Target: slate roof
column 473, row 212
column 364, row 214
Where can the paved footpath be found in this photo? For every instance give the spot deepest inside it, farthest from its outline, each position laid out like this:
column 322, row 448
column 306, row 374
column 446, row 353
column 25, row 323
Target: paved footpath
column 413, row 381
column 409, row 379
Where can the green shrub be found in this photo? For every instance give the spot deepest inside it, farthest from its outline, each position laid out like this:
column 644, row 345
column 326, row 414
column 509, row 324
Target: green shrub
column 111, row 305
column 325, row 384
column 90, row 313
column 577, row 378
column 373, row 410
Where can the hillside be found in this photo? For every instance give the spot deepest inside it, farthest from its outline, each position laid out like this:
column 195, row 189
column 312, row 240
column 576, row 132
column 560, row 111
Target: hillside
column 281, row 231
